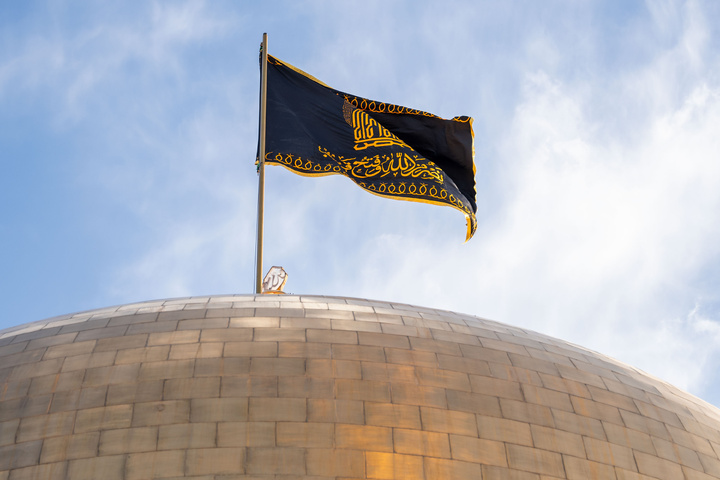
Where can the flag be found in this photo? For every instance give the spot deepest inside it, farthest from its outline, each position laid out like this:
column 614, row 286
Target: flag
column 386, row 149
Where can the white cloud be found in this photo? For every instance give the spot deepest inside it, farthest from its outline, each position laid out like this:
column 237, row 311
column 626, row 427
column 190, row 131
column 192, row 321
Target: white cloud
column 599, row 240
column 189, row 259
column 602, row 243
column 87, row 65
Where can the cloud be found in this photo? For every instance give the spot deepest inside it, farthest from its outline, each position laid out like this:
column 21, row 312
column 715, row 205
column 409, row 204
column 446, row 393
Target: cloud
column 189, row 261
column 599, row 239
column 88, row 63
column 151, row 145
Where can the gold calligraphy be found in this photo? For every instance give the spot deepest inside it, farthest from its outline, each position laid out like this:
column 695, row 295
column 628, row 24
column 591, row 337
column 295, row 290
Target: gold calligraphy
column 369, row 133
column 396, row 164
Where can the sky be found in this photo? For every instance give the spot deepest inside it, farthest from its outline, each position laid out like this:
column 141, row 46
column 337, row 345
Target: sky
column 128, row 133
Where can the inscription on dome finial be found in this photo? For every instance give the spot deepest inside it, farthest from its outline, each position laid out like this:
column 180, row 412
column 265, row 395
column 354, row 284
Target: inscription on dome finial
column 274, row 281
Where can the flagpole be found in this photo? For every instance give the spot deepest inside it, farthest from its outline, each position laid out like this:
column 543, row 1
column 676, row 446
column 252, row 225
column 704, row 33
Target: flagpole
column 261, row 166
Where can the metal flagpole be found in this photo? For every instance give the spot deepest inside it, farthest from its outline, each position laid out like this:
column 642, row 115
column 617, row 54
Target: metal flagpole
column 261, row 166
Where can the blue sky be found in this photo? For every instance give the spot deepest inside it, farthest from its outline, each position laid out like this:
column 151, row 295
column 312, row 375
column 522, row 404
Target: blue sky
column 128, row 133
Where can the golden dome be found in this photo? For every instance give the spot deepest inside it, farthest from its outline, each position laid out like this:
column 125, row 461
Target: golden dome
column 290, row 387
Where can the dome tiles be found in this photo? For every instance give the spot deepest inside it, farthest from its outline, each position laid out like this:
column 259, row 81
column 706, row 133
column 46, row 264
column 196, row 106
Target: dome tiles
column 308, row 387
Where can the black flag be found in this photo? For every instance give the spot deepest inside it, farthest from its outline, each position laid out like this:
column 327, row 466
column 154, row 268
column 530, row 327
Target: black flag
column 388, row 150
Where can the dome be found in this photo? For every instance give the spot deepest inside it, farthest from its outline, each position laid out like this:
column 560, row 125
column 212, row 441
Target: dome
column 291, row 387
